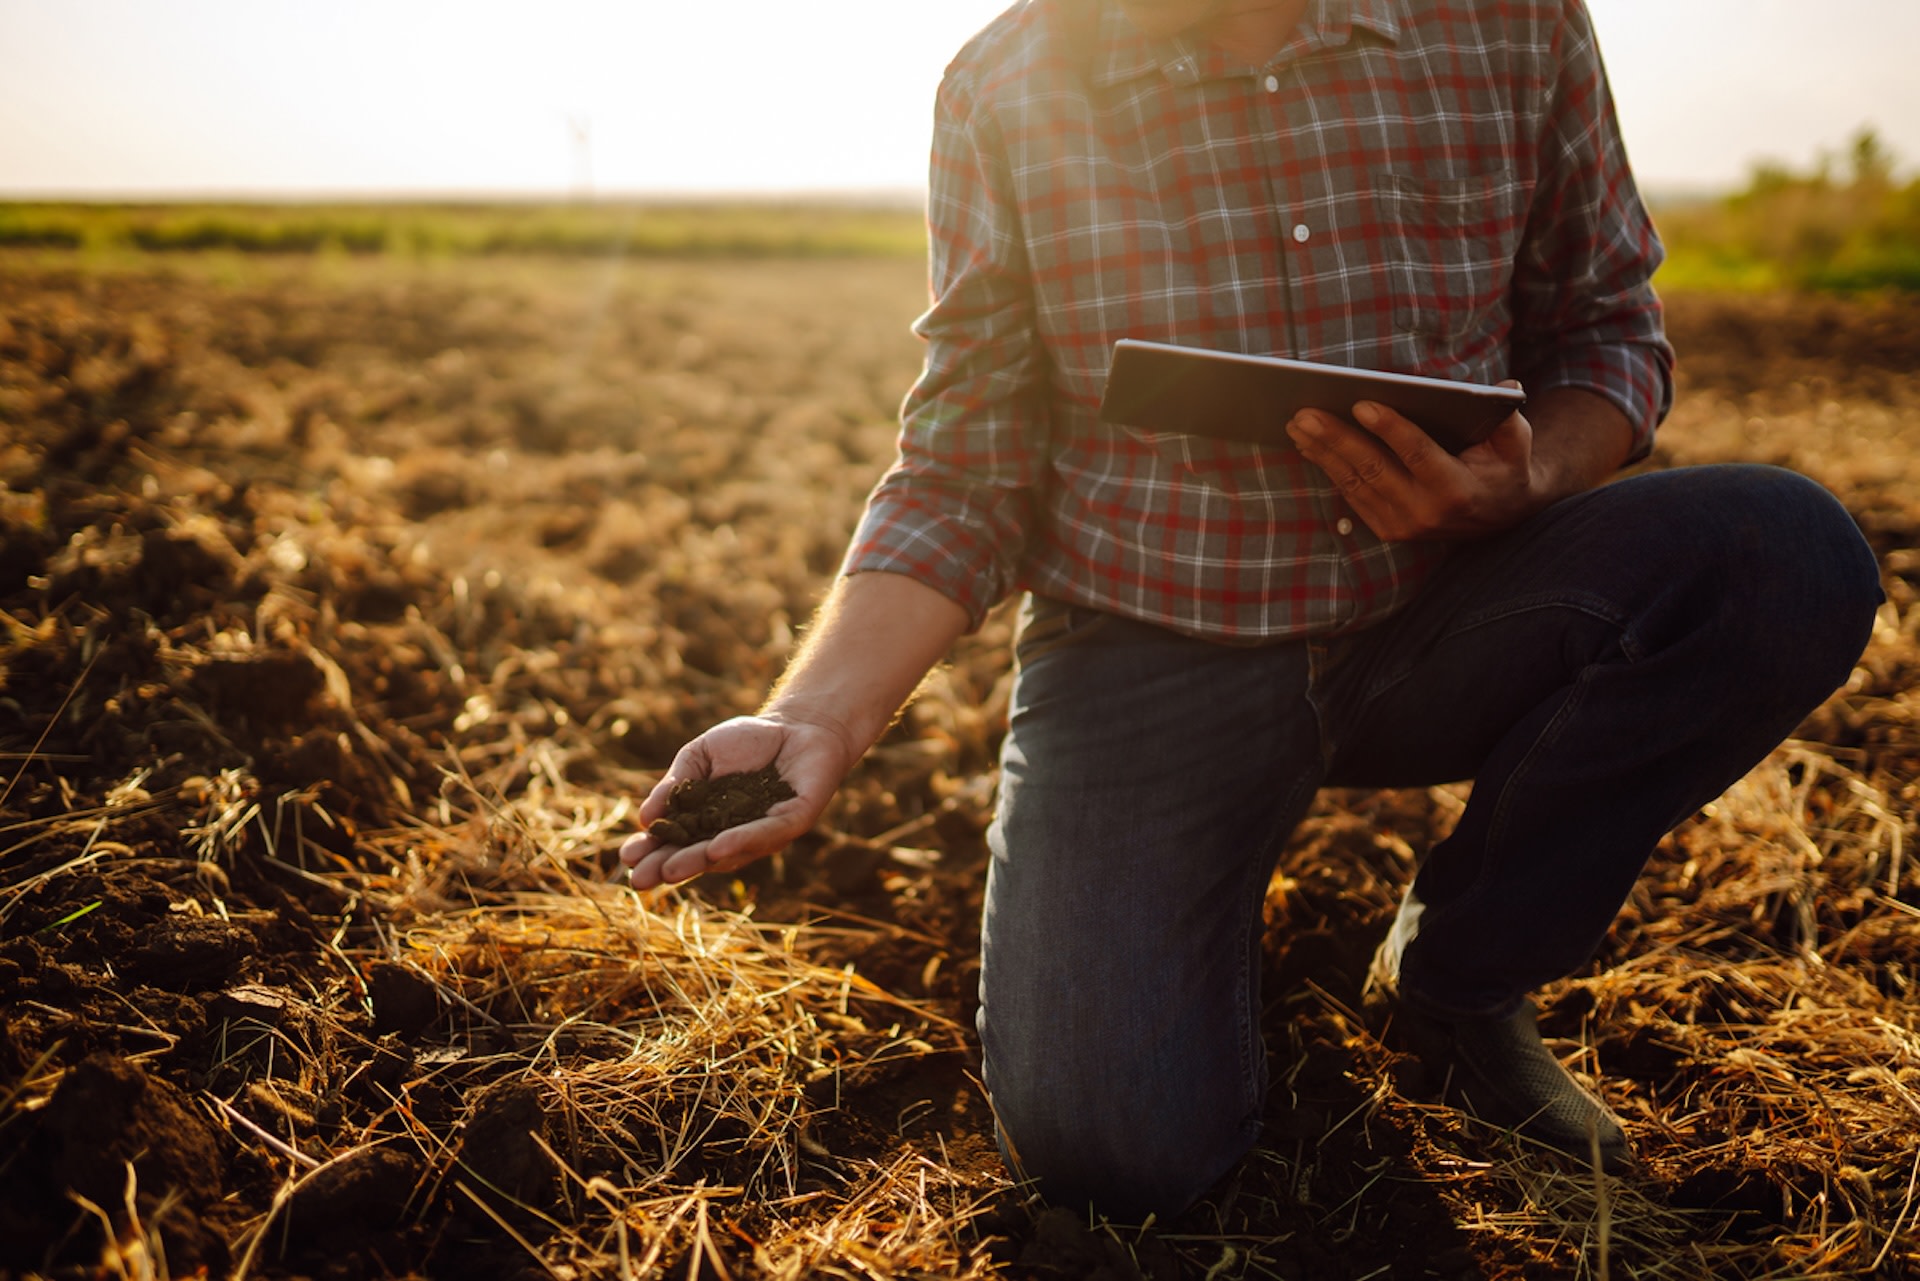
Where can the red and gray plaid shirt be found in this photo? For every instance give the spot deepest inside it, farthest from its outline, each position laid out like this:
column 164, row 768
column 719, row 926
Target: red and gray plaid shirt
column 1430, row 186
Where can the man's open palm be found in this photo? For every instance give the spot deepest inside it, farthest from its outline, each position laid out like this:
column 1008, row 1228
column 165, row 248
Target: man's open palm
column 810, row 758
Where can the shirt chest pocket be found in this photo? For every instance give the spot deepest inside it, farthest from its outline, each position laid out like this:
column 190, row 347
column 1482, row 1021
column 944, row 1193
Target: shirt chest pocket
column 1448, row 246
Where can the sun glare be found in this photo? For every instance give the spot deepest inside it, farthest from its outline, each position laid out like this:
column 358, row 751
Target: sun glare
column 118, row 96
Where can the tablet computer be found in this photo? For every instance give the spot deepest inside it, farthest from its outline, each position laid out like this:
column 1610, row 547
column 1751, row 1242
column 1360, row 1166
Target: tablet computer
column 1159, row 387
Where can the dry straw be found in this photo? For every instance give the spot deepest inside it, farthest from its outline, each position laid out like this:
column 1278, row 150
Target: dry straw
column 674, row 1059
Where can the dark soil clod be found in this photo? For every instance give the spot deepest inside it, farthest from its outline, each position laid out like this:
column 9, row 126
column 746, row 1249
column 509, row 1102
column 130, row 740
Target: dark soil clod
column 702, row 808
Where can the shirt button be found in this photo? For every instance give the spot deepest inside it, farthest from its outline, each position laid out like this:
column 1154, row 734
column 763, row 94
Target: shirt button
column 1273, row 84
column 1300, row 233
column 1343, row 526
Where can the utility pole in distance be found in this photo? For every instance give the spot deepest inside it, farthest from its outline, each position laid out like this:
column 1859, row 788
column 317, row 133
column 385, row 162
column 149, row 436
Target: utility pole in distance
column 581, row 129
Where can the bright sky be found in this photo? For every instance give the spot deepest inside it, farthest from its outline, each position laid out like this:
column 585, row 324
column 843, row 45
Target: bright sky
column 262, row 97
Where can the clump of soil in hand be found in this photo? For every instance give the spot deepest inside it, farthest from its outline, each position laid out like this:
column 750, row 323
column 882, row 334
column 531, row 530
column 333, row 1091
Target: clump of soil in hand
column 701, row 808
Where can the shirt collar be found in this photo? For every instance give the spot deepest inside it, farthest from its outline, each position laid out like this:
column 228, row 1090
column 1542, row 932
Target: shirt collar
column 1122, row 53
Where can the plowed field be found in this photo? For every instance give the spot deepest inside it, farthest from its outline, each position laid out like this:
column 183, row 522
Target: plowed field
column 347, row 608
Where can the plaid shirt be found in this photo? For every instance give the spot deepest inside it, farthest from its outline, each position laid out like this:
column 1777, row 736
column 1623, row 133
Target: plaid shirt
column 1430, row 186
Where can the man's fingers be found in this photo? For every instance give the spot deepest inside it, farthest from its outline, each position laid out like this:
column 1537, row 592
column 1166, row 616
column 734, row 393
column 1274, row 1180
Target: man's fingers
column 690, row 761
column 653, row 864
column 783, row 824
column 1393, row 476
column 667, row 864
column 1403, row 485
column 1418, row 452
column 655, row 803
column 684, row 865
column 1359, row 465
column 670, row 865
column 1326, row 442
column 635, row 848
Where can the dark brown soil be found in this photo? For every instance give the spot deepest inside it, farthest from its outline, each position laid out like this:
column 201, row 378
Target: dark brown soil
column 701, row 808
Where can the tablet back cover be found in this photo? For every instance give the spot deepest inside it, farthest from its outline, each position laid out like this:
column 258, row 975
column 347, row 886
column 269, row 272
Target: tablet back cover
column 1156, row 387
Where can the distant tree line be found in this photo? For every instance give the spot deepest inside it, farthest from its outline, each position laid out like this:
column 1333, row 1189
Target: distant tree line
column 1848, row 224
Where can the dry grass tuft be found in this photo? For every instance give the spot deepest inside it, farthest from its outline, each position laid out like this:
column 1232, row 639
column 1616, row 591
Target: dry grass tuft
column 671, row 1061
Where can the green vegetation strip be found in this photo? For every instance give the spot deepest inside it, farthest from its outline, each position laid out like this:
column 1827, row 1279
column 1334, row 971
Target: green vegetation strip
column 1847, row 225
column 589, row 229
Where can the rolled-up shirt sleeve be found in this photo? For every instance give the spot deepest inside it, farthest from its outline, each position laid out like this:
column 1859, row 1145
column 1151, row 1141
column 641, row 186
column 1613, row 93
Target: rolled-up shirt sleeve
column 1585, row 313
column 954, row 510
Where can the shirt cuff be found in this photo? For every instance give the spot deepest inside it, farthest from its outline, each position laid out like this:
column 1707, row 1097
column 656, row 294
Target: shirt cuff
column 900, row 535
column 1636, row 377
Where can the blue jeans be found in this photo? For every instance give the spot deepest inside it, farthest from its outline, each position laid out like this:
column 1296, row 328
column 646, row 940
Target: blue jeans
column 1601, row 672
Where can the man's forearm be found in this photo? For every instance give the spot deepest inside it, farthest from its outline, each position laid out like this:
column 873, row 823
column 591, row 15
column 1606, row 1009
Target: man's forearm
column 873, row 640
column 1580, row 438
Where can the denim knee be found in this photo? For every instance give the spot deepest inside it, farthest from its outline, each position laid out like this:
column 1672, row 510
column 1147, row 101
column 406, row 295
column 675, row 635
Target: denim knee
column 1125, row 1158
column 1800, row 586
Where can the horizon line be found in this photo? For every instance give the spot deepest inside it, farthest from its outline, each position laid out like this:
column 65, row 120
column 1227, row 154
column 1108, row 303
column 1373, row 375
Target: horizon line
column 889, row 196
